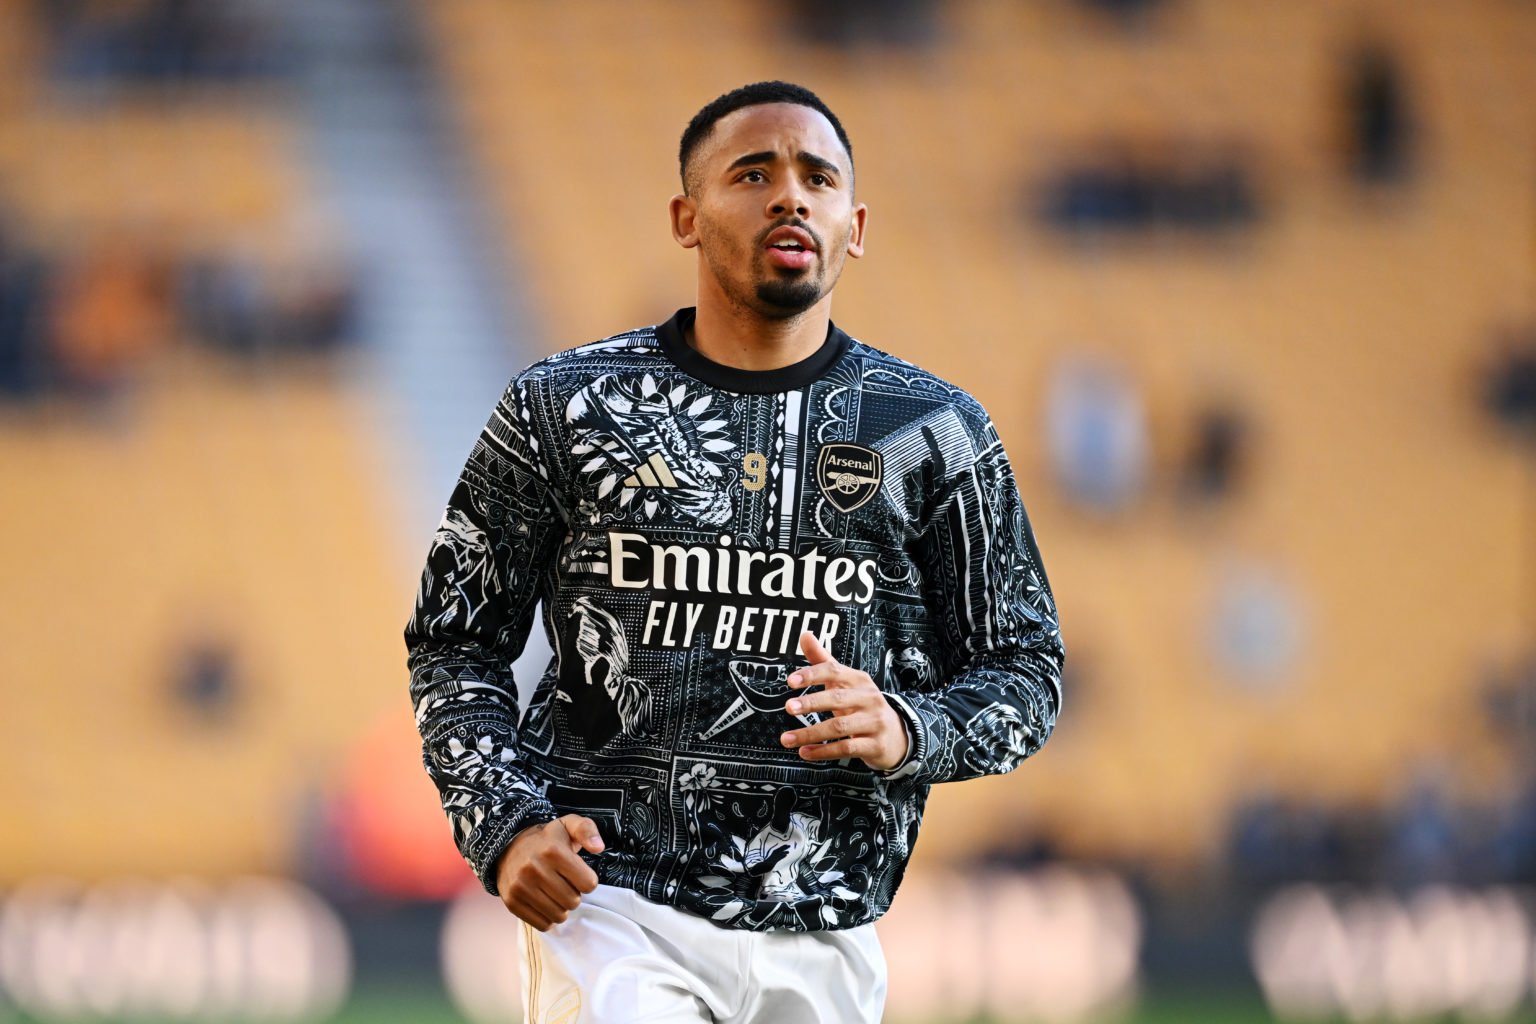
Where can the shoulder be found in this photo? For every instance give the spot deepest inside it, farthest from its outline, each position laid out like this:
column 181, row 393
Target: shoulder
column 881, row 371
column 617, row 351
column 568, row 370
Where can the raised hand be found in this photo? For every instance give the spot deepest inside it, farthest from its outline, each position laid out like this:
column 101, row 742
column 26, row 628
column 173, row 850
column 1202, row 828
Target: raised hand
column 861, row 722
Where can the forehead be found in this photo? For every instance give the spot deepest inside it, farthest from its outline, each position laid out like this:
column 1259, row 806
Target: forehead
column 785, row 128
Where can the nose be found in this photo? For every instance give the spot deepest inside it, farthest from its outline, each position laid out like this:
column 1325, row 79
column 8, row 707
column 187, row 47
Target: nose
column 789, row 199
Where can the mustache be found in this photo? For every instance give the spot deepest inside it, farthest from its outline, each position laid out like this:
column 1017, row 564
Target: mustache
column 790, row 222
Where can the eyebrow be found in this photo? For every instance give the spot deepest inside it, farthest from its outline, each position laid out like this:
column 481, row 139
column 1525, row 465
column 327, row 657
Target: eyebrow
column 768, row 156
column 818, row 162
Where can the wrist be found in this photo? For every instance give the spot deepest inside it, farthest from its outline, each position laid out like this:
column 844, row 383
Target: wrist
column 516, row 836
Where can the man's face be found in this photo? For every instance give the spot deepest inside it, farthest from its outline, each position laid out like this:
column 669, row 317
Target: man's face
column 770, row 207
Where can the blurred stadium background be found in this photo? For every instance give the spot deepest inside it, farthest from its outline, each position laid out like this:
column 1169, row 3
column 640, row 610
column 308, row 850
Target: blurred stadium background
column 1249, row 287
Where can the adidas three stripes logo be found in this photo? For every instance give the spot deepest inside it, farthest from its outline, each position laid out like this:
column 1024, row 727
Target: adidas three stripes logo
column 653, row 472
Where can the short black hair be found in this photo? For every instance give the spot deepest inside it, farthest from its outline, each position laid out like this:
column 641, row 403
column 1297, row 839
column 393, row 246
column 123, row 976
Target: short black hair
column 756, row 94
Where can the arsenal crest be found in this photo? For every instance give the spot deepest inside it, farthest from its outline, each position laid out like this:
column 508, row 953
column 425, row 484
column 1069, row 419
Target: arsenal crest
column 848, row 474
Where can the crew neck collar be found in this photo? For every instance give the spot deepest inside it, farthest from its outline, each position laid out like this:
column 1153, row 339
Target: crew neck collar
column 674, row 342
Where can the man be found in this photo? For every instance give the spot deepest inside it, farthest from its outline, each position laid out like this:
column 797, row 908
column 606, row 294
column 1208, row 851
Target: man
column 693, row 821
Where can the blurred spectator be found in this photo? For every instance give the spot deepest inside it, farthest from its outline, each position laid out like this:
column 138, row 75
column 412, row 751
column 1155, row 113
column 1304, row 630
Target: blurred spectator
column 1509, row 384
column 852, row 23
column 1257, row 626
column 316, row 301
column 1105, row 190
column 384, row 831
column 1273, row 840
column 158, row 40
column 1218, row 452
column 89, row 321
column 1022, row 853
column 24, row 342
column 1509, row 709
column 1126, row 14
column 1380, row 125
column 1510, row 852
column 205, row 679
column 1189, row 187
column 257, row 308
column 1202, row 188
column 1271, row 843
column 1097, row 431
column 1427, row 838
column 112, row 310
column 1422, row 843
column 222, row 299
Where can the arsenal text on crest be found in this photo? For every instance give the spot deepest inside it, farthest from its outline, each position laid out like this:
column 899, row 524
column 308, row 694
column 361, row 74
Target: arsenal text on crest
column 848, row 474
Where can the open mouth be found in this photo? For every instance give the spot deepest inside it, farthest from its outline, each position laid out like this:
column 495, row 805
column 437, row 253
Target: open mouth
column 760, row 687
column 791, row 248
column 790, row 238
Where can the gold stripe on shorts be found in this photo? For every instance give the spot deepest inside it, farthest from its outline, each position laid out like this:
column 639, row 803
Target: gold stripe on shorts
column 530, row 946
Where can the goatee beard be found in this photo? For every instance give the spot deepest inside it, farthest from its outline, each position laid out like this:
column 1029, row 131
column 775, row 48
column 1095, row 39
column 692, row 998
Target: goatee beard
column 789, row 298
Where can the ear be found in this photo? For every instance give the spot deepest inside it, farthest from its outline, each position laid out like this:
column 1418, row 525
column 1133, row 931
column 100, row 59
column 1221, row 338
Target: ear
column 684, row 213
column 856, row 236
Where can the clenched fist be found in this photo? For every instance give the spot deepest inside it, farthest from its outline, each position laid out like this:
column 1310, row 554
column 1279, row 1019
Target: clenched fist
column 540, row 877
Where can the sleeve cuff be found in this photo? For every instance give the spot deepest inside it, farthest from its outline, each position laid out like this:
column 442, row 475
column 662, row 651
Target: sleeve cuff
column 916, row 739
column 486, row 853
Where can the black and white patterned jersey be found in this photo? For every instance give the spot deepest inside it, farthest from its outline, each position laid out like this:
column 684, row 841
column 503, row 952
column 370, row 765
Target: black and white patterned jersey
column 682, row 522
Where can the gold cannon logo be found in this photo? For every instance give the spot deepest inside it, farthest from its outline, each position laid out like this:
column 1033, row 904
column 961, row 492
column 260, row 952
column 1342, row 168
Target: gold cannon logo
column 848, row 474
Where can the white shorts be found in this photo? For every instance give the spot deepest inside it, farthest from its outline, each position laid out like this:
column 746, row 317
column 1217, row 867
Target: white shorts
column 619, row 958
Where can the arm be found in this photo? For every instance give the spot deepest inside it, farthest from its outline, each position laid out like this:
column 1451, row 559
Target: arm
column 478, row 592
column 999, row 645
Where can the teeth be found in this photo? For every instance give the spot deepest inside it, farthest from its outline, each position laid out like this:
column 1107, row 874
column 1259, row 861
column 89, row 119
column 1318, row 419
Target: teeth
column 757, row 672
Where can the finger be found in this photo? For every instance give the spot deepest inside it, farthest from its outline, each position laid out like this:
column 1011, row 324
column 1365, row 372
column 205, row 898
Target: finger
column 859, row 746
column 583, row 832
column 552, row 882
column 573, row 871
column 811, row 647
column 831, row 674
column 802, row 677
column 542, row 904
column 536, row 919
column 812, row 675
column 827, row 673
column 539, row 884
column 836, row 701
column 525, row 913
column 518, row 903
column 860, row 724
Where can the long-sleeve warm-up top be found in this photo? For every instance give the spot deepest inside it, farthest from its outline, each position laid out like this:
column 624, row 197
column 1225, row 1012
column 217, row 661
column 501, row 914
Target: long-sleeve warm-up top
column 682, row 522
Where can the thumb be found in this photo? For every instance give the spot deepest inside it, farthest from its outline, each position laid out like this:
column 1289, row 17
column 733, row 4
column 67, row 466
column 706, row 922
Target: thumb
column 814, row 652
column 583, row 831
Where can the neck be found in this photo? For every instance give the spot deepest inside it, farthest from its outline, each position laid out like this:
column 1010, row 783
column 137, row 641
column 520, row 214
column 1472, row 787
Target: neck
column 735, row 336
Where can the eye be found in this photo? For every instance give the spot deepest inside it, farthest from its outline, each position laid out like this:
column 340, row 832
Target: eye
column 754, row 176
column 820, row 179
